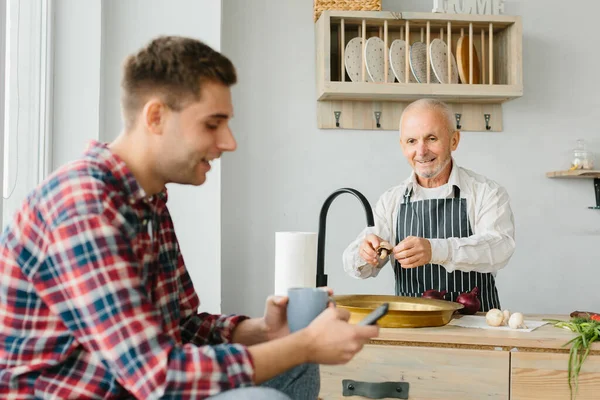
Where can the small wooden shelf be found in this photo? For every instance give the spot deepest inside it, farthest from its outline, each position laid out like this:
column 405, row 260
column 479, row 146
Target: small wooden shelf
column 581, row 174
column 578, row 173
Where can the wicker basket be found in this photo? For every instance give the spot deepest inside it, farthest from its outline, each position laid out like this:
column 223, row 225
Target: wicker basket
column 345, row 5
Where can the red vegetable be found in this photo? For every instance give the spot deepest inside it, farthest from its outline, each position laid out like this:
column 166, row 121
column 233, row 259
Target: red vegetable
column 434, row 294
column 595, row 317
column 470, row 301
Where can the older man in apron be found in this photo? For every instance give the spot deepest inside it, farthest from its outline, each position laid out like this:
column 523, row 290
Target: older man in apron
column 451, row 228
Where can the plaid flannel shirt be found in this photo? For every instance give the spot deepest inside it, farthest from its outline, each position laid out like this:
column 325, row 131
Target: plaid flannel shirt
column 95, row 299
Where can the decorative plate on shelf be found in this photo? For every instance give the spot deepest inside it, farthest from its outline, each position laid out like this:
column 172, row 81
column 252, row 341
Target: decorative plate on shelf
column 398, row 61
column 418, row 63
column 438, row 54
column 462, row 58
column 353, row 60
column 375, row 60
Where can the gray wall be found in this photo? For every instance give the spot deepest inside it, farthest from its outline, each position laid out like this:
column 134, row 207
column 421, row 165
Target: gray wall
column 285, row 167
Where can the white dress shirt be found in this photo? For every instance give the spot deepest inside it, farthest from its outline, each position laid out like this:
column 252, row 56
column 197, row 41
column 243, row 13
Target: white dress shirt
column 488, row 206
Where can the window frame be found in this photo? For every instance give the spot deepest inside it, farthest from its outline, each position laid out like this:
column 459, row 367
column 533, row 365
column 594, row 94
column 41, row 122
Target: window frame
column 26, row 99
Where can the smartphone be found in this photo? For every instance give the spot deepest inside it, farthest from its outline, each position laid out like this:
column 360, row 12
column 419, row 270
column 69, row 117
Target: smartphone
column 375, row 315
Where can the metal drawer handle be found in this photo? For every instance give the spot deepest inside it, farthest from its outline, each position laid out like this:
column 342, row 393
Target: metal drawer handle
column 375, row 390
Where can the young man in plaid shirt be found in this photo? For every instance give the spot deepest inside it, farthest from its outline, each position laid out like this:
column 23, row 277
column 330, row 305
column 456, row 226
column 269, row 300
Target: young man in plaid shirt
column 95, row 299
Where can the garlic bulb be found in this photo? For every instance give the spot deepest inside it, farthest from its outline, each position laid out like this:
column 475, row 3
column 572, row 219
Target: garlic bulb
column 506, row 314
column 516, row 321
column 494, row 317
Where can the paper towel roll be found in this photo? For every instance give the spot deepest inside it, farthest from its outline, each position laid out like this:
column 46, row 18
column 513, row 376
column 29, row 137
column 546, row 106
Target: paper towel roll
column 295, row 260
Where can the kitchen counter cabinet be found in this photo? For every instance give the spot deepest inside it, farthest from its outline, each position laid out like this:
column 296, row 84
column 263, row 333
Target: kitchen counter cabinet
column 544, row 376
column 452, row 362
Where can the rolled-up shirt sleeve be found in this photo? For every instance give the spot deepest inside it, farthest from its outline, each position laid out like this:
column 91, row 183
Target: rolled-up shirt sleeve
column 202, row 328
column 383, row 216
column 92, row 280
column 205, row 328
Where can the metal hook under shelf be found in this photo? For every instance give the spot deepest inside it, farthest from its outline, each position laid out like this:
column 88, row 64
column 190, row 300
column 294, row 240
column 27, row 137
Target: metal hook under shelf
column 457, row 116
column 487, row 121
column 377, row 117
column 337, row 118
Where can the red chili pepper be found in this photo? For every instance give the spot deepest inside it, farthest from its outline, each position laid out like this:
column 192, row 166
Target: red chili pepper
column 595, row 317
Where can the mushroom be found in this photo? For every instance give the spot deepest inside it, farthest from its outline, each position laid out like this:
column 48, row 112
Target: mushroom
column 516, row 321
column 384, row 249
column 494, row 317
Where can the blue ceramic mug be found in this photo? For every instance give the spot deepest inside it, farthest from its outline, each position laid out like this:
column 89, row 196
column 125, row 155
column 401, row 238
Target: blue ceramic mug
column 304, row 305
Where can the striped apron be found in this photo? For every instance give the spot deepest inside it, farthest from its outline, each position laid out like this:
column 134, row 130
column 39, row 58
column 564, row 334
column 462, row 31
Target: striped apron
column 439, row 219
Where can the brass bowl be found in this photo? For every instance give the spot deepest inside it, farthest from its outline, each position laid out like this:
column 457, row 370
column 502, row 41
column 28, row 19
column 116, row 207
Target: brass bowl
column 404, row 312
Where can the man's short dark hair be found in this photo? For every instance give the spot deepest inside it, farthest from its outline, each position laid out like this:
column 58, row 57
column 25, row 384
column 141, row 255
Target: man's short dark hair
column 174, row 68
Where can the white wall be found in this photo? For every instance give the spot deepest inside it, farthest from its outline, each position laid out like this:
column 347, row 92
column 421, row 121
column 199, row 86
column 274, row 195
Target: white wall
column 129, row 25
column 92, row 41
column 77, row 68
column 285, row 167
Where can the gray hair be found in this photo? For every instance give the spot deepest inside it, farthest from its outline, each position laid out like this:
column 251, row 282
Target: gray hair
column 433, row 105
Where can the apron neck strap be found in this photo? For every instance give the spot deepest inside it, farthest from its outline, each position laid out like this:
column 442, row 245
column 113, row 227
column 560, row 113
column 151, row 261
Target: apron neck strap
column 408, row 193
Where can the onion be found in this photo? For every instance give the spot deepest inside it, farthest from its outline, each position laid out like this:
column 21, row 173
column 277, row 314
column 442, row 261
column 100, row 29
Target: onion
column 434, row 294
column 470, row 301
column 506, row 317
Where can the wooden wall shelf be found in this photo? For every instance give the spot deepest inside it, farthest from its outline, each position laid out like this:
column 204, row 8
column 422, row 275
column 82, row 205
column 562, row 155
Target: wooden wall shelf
column 344, row 104
column 581, row 174
column 578, row 173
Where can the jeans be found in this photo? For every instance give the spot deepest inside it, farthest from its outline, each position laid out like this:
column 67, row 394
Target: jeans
column 300, row 383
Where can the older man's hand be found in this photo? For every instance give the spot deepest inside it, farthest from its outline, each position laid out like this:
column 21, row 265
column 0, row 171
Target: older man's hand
column 413, row 252
column 368, row 249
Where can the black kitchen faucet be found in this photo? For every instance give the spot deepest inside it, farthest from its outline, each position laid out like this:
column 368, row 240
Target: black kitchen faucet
column 321, row 277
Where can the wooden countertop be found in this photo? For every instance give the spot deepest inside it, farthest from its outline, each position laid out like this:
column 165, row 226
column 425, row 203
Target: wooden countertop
column 547, row 338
